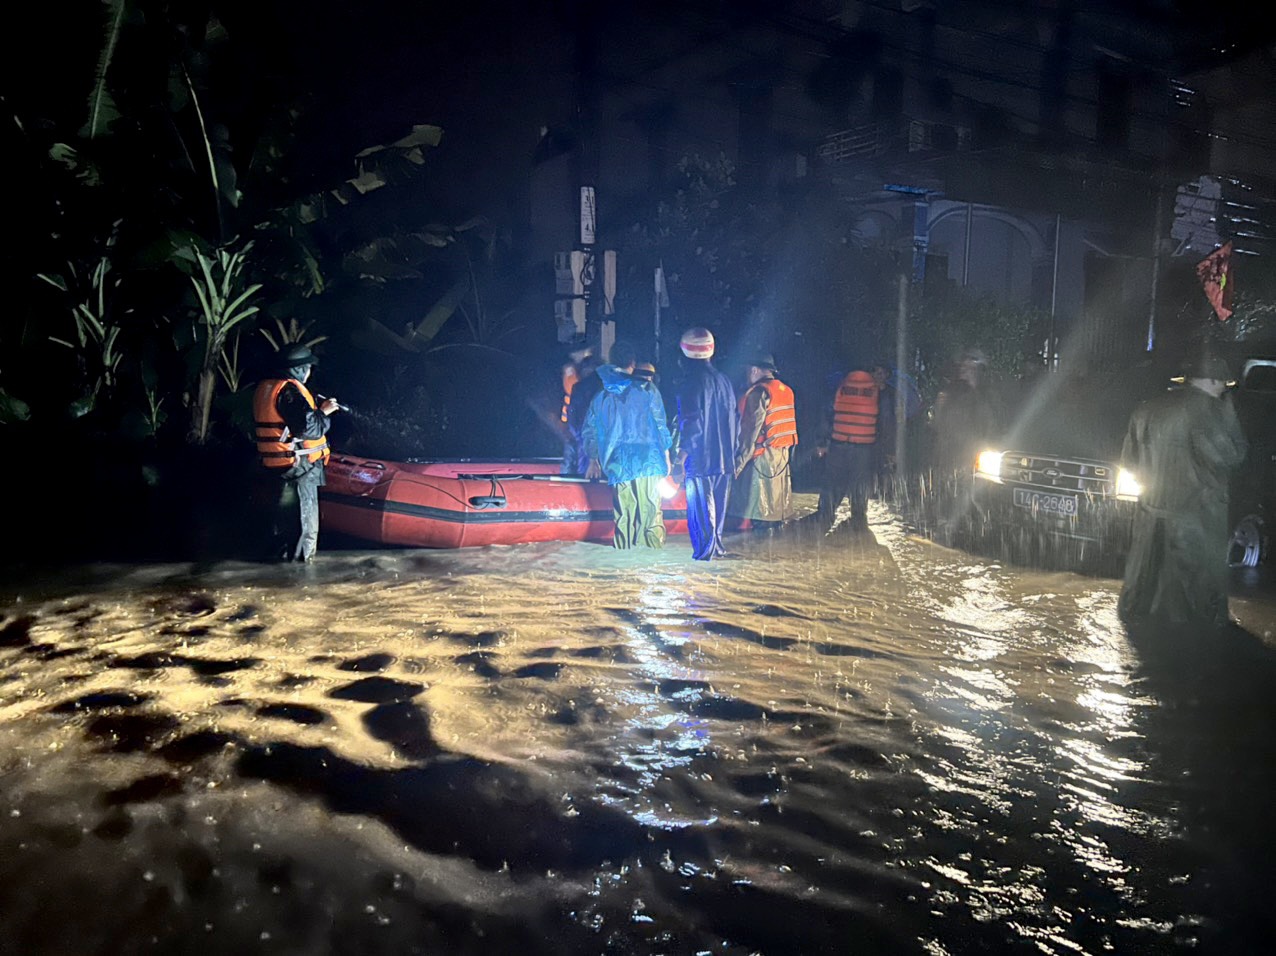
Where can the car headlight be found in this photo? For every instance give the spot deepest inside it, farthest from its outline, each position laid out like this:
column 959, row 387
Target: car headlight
column 988, row 465
column 1127, row 486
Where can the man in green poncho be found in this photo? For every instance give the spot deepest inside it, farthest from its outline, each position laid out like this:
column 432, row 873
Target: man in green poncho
column 1182, row 446
column 627, row 441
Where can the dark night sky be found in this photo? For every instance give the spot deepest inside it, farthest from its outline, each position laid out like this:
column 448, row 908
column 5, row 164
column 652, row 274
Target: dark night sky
column 370, row 64
column 492, row 72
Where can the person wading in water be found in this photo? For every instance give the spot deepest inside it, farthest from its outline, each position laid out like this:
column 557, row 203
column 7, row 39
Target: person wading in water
column 292, row 445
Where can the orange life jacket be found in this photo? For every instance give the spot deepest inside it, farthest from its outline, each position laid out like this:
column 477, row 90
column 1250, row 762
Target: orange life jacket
column 570, row 377
column 275, row 447
column 780, row 428
column 855, row 410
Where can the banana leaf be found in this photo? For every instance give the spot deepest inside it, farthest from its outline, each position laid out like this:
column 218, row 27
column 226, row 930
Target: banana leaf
column 102, row 110
column 377, row 337
column 12, row 409
column 421, row 135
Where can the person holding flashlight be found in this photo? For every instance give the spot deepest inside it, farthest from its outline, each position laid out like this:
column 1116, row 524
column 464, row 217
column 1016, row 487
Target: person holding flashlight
column 292, row 443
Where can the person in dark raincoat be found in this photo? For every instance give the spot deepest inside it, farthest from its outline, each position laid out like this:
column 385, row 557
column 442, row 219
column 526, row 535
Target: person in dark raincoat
column 627, row 440
column 967, row 415
column 292, row 431
column 1182, row 447
column 707, row 434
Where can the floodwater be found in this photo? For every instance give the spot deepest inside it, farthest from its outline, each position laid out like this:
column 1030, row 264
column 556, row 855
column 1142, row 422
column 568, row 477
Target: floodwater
column 860, row 743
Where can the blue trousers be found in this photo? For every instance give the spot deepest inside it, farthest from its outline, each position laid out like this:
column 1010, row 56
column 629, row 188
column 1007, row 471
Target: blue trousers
column 706, row 514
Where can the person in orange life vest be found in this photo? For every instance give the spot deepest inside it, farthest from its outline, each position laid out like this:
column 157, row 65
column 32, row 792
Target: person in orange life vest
column 851, row 448
column 763, row 489
column 576, row 401
column 292, row 444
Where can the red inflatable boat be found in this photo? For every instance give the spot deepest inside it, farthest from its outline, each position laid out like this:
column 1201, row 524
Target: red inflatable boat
column 465, row 504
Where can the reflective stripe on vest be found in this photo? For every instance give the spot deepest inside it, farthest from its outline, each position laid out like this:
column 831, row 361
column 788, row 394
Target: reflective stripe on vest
column 275, row 447
column 779, row 430
column 855, row 410
column 570, row 378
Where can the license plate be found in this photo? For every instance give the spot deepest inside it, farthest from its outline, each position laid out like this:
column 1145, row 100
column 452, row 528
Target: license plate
column 1040, row 502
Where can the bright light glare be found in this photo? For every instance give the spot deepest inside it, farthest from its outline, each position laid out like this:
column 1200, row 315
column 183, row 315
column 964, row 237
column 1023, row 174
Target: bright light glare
column 988, row 465
column 1127, row 486
column 667, row 487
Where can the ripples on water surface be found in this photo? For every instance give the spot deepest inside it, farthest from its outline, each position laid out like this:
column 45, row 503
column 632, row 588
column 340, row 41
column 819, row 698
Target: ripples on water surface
column 862, row 744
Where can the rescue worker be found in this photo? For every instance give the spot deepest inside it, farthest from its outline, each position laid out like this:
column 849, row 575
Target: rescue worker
column 851, row 448
column 1182, row 447
column 707, row 434
column 627, row 440
column 576, row 399
column 645, row 371
column 967, row 415
column 292, row 444
column 763, row 489
column 968, row 418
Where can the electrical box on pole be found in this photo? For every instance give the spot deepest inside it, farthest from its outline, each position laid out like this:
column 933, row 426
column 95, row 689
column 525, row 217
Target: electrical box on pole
column 569, row 287
column 584, row 298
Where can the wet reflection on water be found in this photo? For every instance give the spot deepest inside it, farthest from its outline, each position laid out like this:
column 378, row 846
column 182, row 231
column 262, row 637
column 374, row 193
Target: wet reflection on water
column 843, row 740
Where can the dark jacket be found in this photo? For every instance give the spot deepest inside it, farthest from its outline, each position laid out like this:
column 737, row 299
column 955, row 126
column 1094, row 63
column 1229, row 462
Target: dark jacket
column 625, row 428
column 708, row 425
column 576, row 461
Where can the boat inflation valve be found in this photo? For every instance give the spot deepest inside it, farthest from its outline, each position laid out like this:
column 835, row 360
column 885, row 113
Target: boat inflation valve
column 495, row 497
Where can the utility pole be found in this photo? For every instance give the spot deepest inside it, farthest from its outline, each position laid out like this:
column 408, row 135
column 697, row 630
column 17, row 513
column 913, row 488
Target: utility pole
column 661, row 302
column 597, row 274
column 1158, row 225
column 901, row 397
column 1052, row 349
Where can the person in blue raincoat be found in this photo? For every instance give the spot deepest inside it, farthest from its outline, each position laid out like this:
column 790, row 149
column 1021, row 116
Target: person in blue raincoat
column 708, row 428
column 627, row 440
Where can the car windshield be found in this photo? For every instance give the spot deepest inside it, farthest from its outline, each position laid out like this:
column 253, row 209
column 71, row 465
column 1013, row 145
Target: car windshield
column 1078, row 415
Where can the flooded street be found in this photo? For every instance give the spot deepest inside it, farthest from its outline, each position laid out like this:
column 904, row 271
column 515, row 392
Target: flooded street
column 850, row 744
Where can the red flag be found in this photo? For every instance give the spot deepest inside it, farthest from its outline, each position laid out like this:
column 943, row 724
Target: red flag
column 1215, row 273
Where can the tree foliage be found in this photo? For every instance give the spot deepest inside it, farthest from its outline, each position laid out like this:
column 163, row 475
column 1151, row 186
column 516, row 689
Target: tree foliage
column 716, row 242
column 174, row 160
